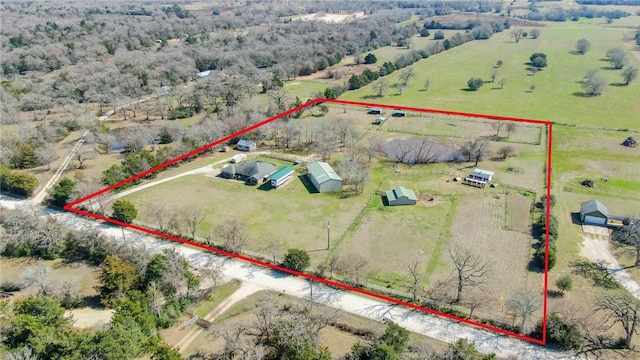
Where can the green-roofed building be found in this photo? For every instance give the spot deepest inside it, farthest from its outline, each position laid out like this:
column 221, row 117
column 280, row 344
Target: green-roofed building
column 281, row 176
column 323, row 177
column 400, row 195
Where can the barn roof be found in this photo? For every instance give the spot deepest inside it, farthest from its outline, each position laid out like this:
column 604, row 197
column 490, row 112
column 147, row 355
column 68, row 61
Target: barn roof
column 322, row 172
column 399, row 192
column 593, row 206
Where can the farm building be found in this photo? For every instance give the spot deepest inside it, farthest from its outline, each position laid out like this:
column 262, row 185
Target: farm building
column 399, row 113
column 323, row 177
column 400, row 195
column 246, row 145
column 594, row 213
column 254, row 172
column 281, row 176
column 238, row 158
column 479, row 178
column 375, row 111
column 228, row 172
column 379, row 121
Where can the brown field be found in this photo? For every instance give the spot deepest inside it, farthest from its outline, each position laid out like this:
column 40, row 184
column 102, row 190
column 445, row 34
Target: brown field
column 479, row 225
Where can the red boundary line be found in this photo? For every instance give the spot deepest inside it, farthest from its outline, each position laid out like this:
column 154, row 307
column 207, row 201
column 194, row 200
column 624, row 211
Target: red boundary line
column 70, row 207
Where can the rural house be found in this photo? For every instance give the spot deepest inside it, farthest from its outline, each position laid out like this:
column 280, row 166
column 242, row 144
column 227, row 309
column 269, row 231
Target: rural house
column 246, row 145
column 281, row 176
column 479, row 178
column 323, row 177
column 254, row 172
column 400, row 195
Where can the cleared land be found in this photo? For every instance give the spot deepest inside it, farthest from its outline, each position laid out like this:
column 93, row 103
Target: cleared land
column 447, row 211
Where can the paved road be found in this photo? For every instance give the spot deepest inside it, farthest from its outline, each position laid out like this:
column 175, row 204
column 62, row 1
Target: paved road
column 426, row 324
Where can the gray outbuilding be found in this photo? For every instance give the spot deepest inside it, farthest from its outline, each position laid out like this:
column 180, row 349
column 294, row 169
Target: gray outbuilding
column 323, row 177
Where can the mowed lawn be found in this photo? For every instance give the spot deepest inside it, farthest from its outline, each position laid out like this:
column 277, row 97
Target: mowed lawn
column 557, row 87
column 290, row 214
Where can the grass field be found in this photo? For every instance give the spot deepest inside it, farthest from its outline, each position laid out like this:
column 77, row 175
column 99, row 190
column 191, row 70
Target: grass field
column 555, row 96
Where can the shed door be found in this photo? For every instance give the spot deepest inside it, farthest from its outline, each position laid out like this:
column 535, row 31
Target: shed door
column 594, row 220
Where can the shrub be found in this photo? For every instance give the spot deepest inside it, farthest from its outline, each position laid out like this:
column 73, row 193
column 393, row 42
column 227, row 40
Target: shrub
column 475, row 83
column 296, row 260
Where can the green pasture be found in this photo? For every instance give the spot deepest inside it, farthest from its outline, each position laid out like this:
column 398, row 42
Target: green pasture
column 557, row 88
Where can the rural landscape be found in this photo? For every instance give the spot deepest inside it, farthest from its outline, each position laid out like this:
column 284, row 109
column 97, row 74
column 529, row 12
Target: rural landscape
column 320, row 180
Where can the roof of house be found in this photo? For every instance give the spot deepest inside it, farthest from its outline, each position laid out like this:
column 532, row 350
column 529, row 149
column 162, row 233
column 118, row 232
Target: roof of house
column 229, row 169
column 375, row 109
column 592, row 206
column 399, row 192
column 282, row 172
column 322, row 172
column 483, row 172
column 204, row 73
column 245, row 143
column 255, row 169
column 398, row 111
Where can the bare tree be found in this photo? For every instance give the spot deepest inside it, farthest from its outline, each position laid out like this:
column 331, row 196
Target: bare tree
column 405, row 75
column 342, row 129
column 192, row 216
column 232, row 234
column 273, row 247
column 476, row 299
column 213, row 270
column 506, row 151
column 159, row 213
column 502, row 82
column 157, row 297
column 622, row 309
column 416, row 278
column 475, row 150
column 469, row 268
column 353, row 265
column 83, row 154
column 381, row 86
column 497, row 126
column 45, row 155
column 493, row 75
column 630, row 235
column 511, row 128
column 523, row 303
column 517, row 34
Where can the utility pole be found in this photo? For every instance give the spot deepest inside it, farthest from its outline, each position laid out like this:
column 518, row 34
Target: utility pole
column 328, row 234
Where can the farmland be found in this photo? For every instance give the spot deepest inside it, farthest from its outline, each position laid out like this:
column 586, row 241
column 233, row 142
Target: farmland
column 295, row 217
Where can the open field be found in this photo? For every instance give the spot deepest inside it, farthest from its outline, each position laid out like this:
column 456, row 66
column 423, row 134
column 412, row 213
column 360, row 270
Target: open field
column 556, row 97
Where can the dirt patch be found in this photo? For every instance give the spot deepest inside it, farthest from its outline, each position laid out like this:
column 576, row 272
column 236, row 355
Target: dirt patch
column 428, row 200
column 89, row 317
column 595, row 230
column 518, row 212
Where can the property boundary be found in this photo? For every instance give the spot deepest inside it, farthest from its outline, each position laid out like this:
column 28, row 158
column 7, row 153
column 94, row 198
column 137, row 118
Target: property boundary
column 317, row 101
